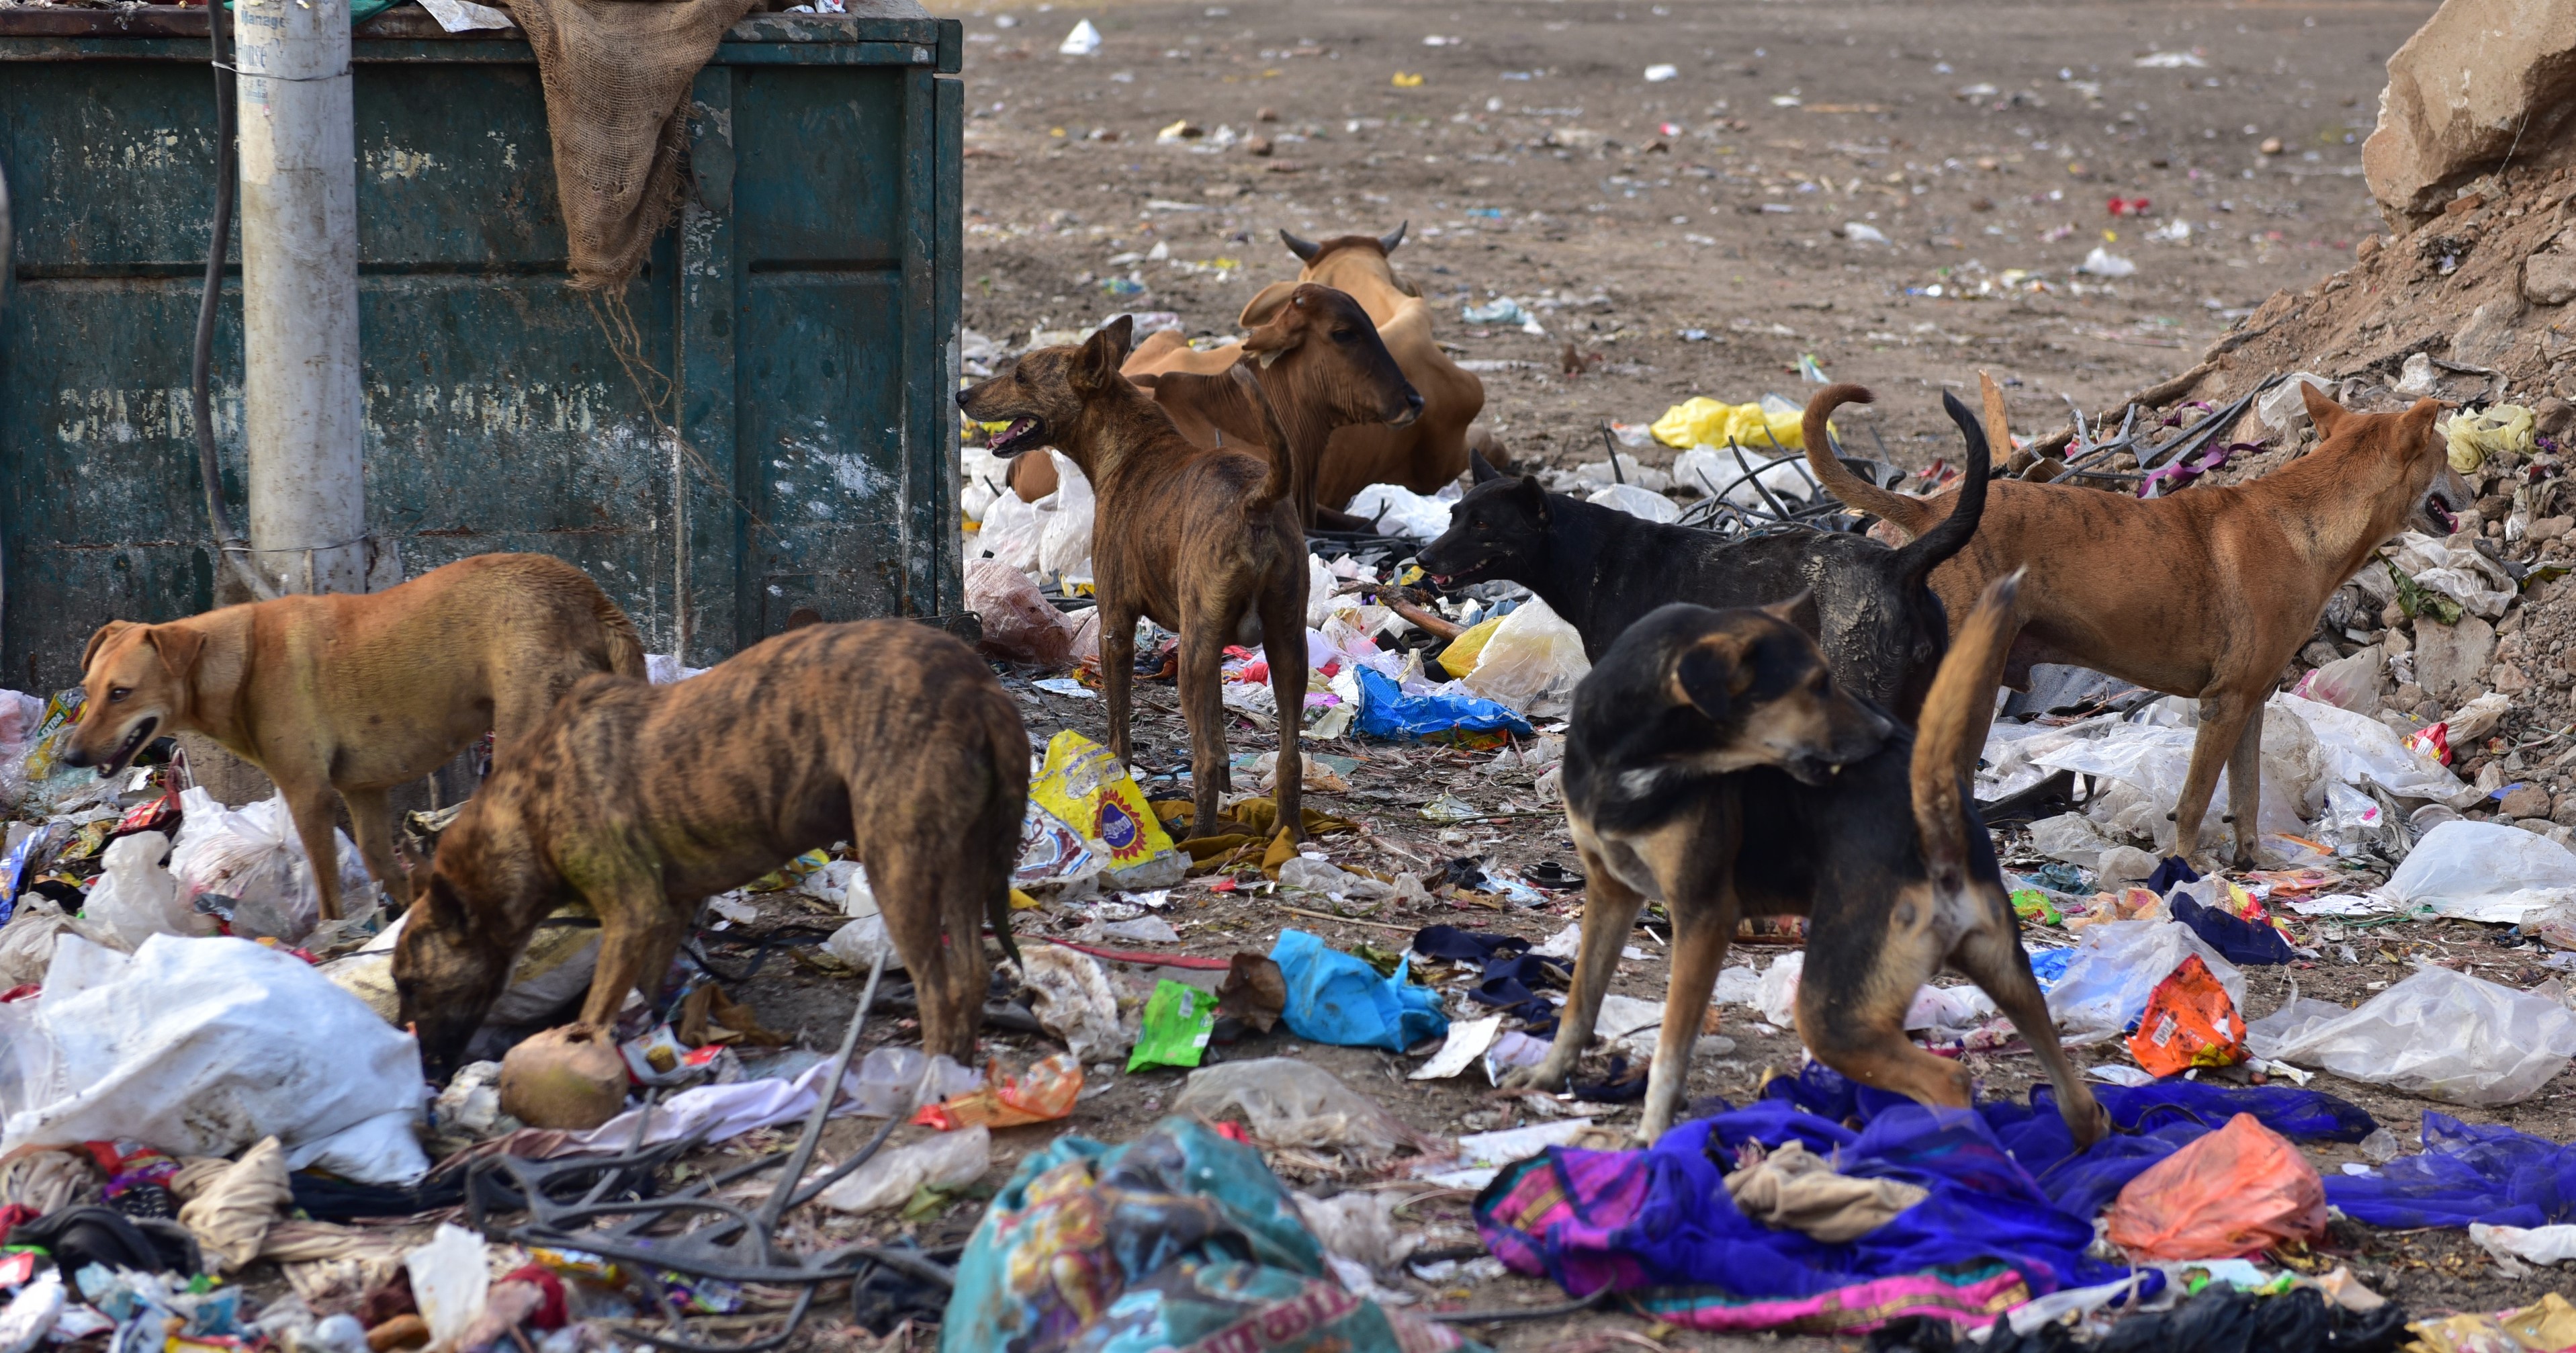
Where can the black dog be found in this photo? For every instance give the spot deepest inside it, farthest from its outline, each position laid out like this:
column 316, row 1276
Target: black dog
column 1715, row 767
column 1602, row 569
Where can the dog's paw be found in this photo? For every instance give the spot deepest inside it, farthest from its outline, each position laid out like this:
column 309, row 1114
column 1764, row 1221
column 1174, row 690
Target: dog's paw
column 1540, row 1077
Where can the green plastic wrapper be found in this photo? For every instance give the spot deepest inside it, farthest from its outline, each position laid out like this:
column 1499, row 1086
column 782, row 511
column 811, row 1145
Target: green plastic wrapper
column 1178, row 1019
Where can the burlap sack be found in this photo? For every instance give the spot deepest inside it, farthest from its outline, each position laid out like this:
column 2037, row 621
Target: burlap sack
column 616, row 76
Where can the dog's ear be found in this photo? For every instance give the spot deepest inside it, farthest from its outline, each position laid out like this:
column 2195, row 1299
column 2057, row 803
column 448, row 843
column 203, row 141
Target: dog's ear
column 1711, row 675
column 178, row 647
column 2324, row 412
column 1265, row 304
column 1800, row 611
column 1102, row 354
column 1482, row 469
column 106, row 634
column 1533, row 495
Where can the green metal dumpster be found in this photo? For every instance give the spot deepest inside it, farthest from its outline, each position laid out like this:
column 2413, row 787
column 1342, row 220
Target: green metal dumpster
column 774, row 431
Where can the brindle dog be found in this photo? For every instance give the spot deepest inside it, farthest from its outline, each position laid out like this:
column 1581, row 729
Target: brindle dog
column 645, row 800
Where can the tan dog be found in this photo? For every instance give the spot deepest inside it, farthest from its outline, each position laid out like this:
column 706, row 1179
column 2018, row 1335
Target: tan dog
column 357, row 693
column 2206, row 593
column 646, row 800
column 1423, row 455
column 1207, row 543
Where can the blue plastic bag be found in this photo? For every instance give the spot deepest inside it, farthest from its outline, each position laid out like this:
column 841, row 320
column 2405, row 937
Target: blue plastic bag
column 1387, row 712
column 1335, row 998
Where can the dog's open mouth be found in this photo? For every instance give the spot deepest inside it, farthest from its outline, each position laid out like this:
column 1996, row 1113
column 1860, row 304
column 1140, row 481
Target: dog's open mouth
column 1456, row 576
column 125, row 751
column 2440, row 513
column 1022, row 434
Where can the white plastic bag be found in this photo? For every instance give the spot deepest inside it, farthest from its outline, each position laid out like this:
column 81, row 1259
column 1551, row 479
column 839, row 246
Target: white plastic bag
column 2361, row 750
column 1019, row 623
column 252, row 855
column 1533, row 662
column 2346, row 683
column 2284, row 406
column 2154, row 760
column 1636, row 502
column 1074, row 1001
column 1709, row 469
column 2069, row 837
column 202, row 1047
column 982, row 479
column 449, row 1281
column 2116, row 968
column 1399, row 511
column 136, row 898
column 27, row 941
column 1776, row 995
column 892, row 1081
column 859, row 942
column 1064, row 543
column 1287, row 1102
column 2483, row 871
column 2439, row 1034
column 1011, row 530
column 891, row 1177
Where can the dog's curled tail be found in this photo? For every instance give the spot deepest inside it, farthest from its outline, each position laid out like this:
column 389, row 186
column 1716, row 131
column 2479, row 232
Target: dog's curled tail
column 1854, row 491
column 1950, row 534
column 1962, row 693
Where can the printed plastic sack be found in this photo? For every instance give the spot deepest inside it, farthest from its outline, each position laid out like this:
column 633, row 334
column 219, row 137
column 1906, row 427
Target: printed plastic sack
column 252, row 855
column 2484, row 871
column 1019, row 625
column 2189, row 1021
column 1179, row 1020
column 202, row 1047
column 46, row 780
column 1531, row 662
column 1042, row 1094
column 2236, row 1191
column 2439, row 1034
column 2116, row 968
column 1338, row 999
column 1086, row 788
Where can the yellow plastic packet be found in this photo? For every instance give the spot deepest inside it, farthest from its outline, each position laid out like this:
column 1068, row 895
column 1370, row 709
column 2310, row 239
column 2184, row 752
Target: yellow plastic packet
column 1085, row 787
column 2475, row 434
column 1459, row 658
column 1701, row 421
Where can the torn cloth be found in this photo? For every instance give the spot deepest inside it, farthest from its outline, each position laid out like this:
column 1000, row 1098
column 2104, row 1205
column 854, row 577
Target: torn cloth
column 1797, row 1189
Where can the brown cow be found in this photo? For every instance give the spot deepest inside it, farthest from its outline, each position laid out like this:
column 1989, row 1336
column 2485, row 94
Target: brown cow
column 1423, row 456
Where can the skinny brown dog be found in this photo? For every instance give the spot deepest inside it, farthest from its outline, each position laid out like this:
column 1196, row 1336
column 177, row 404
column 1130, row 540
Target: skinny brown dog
column 645, row 800
column 357, row 693
column 2205, row 593
column 1206, row 543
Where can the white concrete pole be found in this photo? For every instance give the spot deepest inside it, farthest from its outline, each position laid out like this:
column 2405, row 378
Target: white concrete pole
column 299, row 180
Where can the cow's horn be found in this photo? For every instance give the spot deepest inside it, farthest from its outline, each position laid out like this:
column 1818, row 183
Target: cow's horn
column 1303, row 249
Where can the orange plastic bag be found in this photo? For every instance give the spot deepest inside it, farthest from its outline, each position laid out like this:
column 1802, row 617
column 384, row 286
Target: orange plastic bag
column 1041, row 1094
column 2189, row 1022
column 2236, row 1191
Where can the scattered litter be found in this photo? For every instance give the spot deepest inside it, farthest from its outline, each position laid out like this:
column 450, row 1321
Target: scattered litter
column 1287, row 1102
column 892, row 1177
column 2103, row 263
column 1084, row 40
column 2440, row 1034
column 1338, row 999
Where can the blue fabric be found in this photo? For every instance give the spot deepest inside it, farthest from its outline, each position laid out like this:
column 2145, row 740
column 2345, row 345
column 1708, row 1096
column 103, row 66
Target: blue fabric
column 1387, row 712
column 2467, row 1172
column 1338, row 999
column 2236, row 939
column 2171, row 870
column 2049, row 966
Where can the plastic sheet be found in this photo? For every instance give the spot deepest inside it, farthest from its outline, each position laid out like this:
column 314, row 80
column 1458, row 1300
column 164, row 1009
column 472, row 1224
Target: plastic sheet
column 1287, row 1102
column 2483, row 871
column 2346, row 683
column 205, row 1046
column 1387, row 712
column 2467, row 1172
column 2235, row 1191
column 450, row 1281
column 1399, row 511
column 1338, row 999
column 1531, row 663
column 2361, row 750
column 2116, row 967
column 1636, row 502
column 1701, row 421
column 891, row 1177
column 1064, row 533
column 2439, row 1034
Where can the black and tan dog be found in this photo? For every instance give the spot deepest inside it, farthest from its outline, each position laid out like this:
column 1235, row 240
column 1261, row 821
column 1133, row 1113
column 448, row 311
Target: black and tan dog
column 645, row 800
column 1602, row 569
column 1716, row 766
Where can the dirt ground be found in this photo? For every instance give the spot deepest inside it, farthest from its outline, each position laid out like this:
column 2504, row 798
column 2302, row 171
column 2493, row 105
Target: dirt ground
column 1535, row 159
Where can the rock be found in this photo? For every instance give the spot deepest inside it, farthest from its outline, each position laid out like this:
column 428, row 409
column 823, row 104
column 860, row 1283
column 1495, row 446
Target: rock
column 2369, row 245
column 2508, row 679
column 2397, row 641
column 2525, row 801
column 2564, row 812
column 2551, row 416
column 2491, row 328
column 2547, row 529
column 2408, row 695
column 2534, row 825
column 2318, row 653
column 2549, row 274
column 2449, row 658
column 2477, row 77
